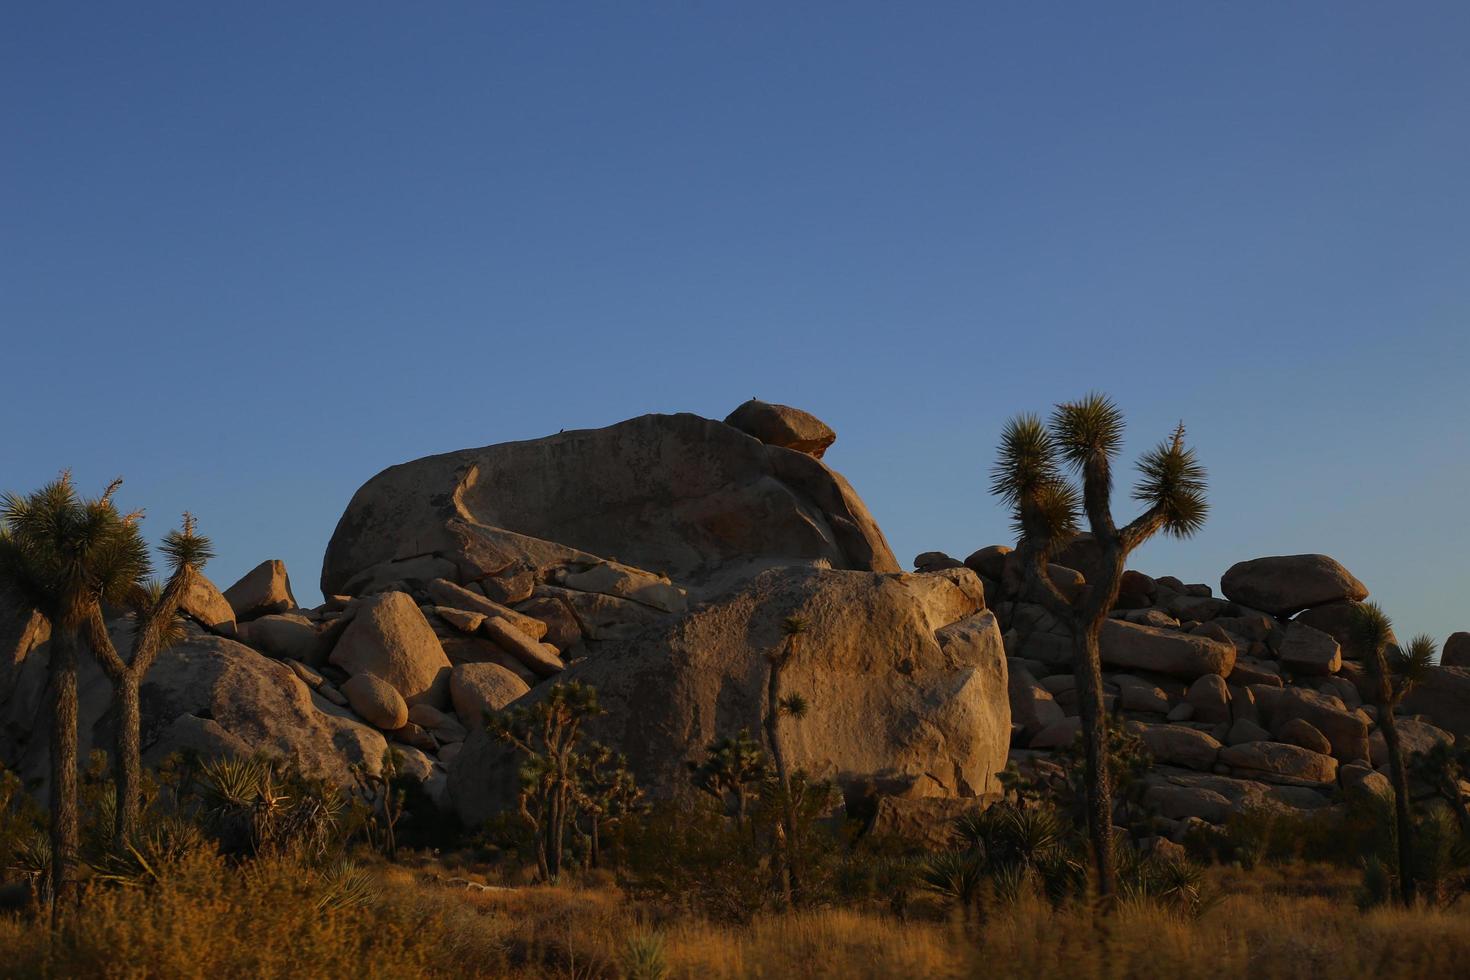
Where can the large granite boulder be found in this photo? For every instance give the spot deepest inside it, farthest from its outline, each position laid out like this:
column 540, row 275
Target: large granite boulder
column 1285, row 584
column 905, row 675
column 691, row 498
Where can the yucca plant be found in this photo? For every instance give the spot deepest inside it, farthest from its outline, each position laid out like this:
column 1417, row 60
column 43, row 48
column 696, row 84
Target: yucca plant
column 645, row 957
column 957, row 877
column 344, row 885
column 1029, row 476
column 1394, row 673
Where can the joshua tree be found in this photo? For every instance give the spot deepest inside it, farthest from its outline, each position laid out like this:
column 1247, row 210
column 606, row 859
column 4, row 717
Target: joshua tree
column 156, row 623
column 735, row 767
column 607, row 794
column 1394, row 672
column 1085, row 436
column 547, row 733
column 793, row 628
column 66, row 555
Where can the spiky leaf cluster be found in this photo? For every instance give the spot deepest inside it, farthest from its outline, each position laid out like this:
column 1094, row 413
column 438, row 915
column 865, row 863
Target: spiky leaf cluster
column 1172, row 481
column 57, row 547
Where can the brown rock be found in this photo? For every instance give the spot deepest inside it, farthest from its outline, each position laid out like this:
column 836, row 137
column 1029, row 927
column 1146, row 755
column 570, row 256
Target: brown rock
column 698, row 500
column 207, row 606
column 895, row 706
column 1211, row 699
column 1297, row 731
column 448, row 594
column 389, row 637
column 535, row 656
column 562, row 630
column 989, row 561
column 784, row 426
column 1176, row 745
column 377, row 701
column 265, row 589
column 1286, row 584
column 480, row 688
column 1164, row 652
column 1276, row 762
column 1308, row 651
column 1456, row 651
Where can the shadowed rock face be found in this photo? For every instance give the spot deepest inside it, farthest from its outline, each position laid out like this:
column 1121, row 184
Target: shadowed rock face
column 680, row 495
column 905, row 675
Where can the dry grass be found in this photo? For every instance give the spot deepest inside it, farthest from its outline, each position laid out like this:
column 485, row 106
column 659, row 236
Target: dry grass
column 210, row 922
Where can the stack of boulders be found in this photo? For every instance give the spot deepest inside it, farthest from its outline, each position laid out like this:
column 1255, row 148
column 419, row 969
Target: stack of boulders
column 1255, row 698
column 655, row 560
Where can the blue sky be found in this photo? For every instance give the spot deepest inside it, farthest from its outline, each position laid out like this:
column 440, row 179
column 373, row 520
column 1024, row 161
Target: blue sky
column 252, row 254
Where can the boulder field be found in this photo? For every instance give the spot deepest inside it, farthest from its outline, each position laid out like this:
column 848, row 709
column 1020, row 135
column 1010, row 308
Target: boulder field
column 1254, row 698
column 654, row 559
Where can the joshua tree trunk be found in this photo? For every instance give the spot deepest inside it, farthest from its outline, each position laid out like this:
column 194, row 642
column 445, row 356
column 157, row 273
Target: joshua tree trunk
column 788, row 876
column 65, row 835
column 1403, row 822
column 1087, row 669
column 127, row 764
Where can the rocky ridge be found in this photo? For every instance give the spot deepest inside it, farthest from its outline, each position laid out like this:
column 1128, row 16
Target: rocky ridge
column 1254, row 698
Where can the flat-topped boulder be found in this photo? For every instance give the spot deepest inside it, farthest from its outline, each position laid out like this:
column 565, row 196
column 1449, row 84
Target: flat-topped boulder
column 1285, row 584
column 784, row 426
column 693, row 499
column 1163, row 651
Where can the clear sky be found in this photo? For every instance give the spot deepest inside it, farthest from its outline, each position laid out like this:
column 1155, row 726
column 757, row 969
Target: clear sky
column 250, row 254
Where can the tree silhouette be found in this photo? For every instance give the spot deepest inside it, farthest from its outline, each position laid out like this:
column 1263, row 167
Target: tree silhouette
column 1085, row 437
column 1394, row 671
column 156, row 625
column 66, row 555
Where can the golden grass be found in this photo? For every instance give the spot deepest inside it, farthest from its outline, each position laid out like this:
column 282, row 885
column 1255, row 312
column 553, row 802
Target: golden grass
column 209, row 922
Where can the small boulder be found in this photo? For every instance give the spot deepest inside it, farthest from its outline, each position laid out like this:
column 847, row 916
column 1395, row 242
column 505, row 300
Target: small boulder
column 377, row 701
column 1183, row 655
column 207, row 606
column 1299, row 731
column 1456, row 651
column 784, row 426
column 265, row 589
column 1211, row 699
column 562, row 630
column 539, row 658
column 1243, row 730
column 480, row 688
column 1286, row 584
column 936, row 561
column 285, row 636
column 989, row 561
column 389, row 637
column 1276, row 762
column 1305, row 650
column 1176, row 745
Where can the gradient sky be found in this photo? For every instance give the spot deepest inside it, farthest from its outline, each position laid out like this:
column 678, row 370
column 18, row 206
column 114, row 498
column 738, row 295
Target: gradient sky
column 251, row 254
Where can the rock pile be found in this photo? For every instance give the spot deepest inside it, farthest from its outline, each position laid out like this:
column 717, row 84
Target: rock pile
column 654, row 559
column 1251, row 699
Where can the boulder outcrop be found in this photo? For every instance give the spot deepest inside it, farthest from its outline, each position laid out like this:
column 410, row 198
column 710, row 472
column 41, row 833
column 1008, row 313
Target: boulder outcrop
column 694, row 499
column 905, row 675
